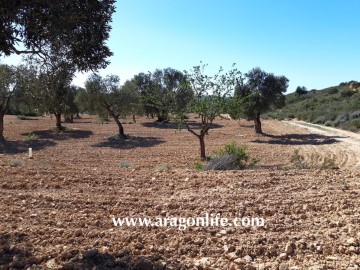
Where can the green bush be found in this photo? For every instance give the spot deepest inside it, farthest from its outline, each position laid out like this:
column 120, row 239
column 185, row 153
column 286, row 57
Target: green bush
column 199, row 166
column 353, row 125
column 329, row 123
column 231, row 157
column 238, row 151
column 31, row 137
column 319, row 120
column 347, row 93
column 314, row 162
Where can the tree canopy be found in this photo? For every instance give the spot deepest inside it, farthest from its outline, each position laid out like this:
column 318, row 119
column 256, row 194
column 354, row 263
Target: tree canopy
column 259, row 92
column 80, row 27
column 163, row 91
column 209, row 99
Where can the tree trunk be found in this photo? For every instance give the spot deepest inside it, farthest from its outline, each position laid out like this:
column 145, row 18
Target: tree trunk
column 134, row 119
column 258, row 124
column 121, row 128
column 58, row 121
column 202, row 145
column 2, row 126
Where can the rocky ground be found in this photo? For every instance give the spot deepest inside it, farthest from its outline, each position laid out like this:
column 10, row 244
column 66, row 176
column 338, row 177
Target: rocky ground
column 56, row 209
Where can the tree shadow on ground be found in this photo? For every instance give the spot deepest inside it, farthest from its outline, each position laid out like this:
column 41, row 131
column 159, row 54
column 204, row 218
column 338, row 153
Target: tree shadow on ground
column 17, row 252
column 172, row 125
column 53, row 134
column 16, row 147
column 130, row 143
column 299, row 139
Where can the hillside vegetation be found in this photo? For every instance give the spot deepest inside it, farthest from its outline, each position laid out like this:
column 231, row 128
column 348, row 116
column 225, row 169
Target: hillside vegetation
column 337, row 106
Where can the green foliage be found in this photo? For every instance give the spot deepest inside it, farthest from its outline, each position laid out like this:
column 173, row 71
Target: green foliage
column 199, row 166
column 80, row 28
column 31, row 137
column 108, row 99
column 319, row 120
column 259, row 92
column 242, row 158
column 210, row 94
column 125, row 164
column 301, row 90
column 163, row 91
column 298, row 161
column 315, row 161
column 327, row 106
column 347, row 93
column 352, row 125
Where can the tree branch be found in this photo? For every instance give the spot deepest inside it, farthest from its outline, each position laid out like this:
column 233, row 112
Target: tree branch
column 24, row 52
column 190, row 130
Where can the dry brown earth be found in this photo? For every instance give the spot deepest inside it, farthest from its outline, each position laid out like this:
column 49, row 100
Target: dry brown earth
column 56, row 210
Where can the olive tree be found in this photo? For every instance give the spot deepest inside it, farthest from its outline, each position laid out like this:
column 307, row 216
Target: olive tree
column 82, row 26
column 105, row 94
column 15, row 86
column 258, row 93
column 7, row 86
column 162, row 91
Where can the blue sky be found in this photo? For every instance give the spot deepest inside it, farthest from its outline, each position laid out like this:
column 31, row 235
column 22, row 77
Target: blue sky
column 313, row 43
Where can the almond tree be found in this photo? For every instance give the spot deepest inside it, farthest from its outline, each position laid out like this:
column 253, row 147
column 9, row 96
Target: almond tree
column 209, row 100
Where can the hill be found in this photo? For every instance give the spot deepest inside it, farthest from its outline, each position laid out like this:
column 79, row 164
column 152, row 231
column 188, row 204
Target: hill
column 337, row 106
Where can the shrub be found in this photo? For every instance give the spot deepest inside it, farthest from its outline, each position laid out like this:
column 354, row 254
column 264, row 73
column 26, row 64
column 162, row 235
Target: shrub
column 347, row 93
column 328, row 163
column 31, row 137
column 341, row 118
column 333, row 91
column 224, row 162
column 319, row 120
column 315, row 161
column 199, row 166
column 353, row 125
column 298, row 160
column 355, row 114
column 231, row 157
column 238, row 151
column 15, row 163
column 125, row 164
column 329, row 123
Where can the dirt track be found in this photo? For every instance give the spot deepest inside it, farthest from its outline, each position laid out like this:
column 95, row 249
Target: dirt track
column 56, row 210
column 346, row 150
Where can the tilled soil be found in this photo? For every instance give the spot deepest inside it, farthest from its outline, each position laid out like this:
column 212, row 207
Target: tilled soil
column 57, row 209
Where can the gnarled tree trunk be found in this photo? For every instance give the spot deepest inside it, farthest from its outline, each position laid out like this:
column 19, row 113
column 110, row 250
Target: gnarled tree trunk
column 258, row 124
column 202, row 146
column 2, row 114
column 120, row 126
column 58, row 121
